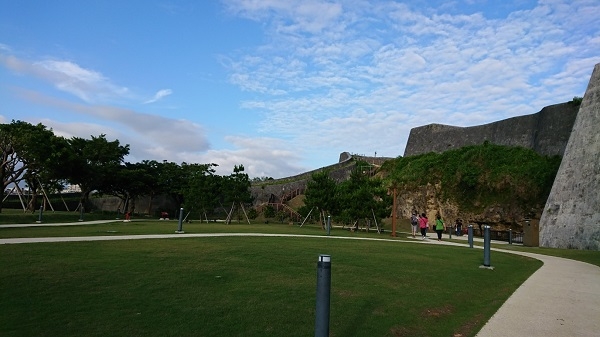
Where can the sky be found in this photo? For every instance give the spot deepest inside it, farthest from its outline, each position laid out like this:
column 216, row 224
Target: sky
column 285, row 86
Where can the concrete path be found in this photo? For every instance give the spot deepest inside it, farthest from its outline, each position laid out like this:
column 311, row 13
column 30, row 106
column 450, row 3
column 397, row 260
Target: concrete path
column 562, row 298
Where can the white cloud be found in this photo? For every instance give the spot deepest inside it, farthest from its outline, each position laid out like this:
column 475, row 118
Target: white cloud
column 159, row 95
column 411, row 67
column 88, row 85
column 261, row 157
column 151, row 133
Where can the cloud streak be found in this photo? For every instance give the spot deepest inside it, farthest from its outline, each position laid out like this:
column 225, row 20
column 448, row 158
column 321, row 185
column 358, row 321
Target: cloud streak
column 159, row 95
column 88, row 85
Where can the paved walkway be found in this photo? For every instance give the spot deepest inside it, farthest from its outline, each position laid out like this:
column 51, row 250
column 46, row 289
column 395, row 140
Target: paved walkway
column 562, row 298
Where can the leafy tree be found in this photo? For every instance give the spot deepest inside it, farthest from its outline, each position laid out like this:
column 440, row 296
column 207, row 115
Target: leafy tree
column 202, row 190
column 261, row 179
column 128, row 183
column 31, row 153
column 172, row 181
column 236, row 188
column 362, row 197
column 95, row 163
column 152, row 184
column 321, row 194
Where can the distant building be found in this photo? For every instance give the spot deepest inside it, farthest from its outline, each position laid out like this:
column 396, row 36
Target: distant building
column 71, row 189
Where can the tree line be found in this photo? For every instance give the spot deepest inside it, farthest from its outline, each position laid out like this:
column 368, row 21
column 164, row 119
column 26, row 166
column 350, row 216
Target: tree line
column 33, row 155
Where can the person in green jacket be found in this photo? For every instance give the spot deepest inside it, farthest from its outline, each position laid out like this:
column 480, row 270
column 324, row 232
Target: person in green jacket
column 440, row 226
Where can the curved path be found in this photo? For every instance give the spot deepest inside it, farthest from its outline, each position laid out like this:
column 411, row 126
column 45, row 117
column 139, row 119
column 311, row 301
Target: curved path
column 562, row 298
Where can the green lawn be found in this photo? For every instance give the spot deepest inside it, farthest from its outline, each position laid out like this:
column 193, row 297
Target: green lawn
column 246, row 286
column 17, row 216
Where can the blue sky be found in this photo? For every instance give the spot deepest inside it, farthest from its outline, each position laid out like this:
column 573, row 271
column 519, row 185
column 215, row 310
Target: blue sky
column 285, row 86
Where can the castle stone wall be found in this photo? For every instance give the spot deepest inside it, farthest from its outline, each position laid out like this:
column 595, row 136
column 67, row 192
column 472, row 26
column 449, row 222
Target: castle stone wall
column 571, row 218
column 276, row 190
column 546, row 132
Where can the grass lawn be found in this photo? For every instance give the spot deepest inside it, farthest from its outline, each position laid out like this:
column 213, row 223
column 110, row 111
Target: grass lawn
column 244, row 286
column 17, row 216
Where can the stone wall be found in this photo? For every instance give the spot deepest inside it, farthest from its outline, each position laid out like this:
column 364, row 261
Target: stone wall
column 571, row 218
column 142, row 205
column 280, row 190
column 546, row 132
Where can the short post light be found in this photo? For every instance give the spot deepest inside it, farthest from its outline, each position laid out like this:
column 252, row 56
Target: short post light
column 180, row 227
column 81, row 214
column 40, row 215
column 486, row 247
column 470, row 233
column 323, row 296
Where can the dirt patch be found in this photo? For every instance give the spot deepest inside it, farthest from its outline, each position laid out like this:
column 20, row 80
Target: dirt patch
column 438, row 312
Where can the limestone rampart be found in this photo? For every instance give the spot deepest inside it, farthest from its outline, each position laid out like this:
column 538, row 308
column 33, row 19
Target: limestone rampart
column 546, row 132
column 281, row 190
column 571, row 218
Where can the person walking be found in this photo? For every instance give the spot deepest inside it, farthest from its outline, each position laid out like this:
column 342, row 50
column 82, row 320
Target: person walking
column 414, row 223
column 423, row 225
column 459, row 226
column 440, row 226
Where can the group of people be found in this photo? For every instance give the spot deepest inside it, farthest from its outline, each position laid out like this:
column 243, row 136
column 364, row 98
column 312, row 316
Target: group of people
column 422, row 222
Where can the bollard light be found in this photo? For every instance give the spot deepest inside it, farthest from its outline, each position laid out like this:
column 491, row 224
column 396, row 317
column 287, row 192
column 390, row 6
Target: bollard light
column 40, row 215
column 328, row 224
column 470, row 232
column 81, row 214
column 510, row 236
column 486, row 247
column 323, row 296
column 180, row 227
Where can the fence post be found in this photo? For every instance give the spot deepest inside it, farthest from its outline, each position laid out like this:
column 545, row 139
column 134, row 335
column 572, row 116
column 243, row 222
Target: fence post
column 470, row 236
column 323, row 296
column 180, row 228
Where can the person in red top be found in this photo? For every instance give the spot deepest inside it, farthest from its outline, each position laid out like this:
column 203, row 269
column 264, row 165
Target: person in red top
column 423, row 225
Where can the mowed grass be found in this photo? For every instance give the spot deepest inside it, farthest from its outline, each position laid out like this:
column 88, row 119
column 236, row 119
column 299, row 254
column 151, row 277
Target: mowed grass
column 18, row 216
column 248, row 286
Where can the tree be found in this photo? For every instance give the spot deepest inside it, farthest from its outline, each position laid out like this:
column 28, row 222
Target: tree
column 128, row 182
column 31, row 153
column 236, row 189
column 95, row 163
column 153, row 186
column 172, row 181
column 362, row 197
column 202, row 190
column 321, row 194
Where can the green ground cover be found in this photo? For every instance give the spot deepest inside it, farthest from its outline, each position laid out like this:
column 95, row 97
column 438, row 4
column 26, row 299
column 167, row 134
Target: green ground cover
column 249, row 286
column 18, row 216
